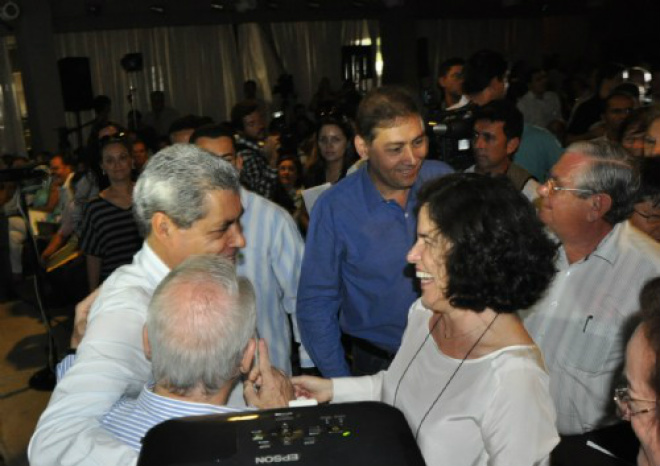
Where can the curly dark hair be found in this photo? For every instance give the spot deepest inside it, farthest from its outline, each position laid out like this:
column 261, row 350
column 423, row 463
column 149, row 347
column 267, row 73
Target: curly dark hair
column 500, row 256
column 649, row 300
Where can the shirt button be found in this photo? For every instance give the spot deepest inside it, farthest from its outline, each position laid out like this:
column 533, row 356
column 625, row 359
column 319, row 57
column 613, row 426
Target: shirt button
column 406, row 214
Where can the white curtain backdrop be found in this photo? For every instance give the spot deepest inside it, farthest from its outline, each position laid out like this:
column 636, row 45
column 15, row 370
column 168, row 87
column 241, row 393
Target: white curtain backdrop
column 197, row 67
column 11, row 128
column 312, row 50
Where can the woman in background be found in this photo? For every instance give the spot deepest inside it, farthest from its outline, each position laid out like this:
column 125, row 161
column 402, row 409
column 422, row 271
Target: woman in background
column 332, row 155
column 110, row 235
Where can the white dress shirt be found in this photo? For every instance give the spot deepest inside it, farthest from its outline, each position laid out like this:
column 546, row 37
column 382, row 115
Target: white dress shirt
column 110, row 363
column 583, row 323
column 271, row 260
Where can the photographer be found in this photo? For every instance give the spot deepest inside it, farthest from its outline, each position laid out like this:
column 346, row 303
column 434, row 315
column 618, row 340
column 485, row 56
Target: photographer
column 485, row 81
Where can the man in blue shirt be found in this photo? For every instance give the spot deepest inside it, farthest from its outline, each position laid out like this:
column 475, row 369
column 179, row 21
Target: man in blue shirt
column 354, row 275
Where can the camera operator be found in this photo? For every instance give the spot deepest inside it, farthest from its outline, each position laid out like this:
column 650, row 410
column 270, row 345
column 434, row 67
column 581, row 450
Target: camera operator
column 485, row 80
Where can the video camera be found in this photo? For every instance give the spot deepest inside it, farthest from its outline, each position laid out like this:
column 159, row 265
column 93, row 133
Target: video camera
column 451, row 132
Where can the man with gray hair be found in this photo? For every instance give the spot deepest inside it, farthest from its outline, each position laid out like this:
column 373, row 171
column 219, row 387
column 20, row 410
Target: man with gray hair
column 198, row 336
column 186, row 202
column 602, row 264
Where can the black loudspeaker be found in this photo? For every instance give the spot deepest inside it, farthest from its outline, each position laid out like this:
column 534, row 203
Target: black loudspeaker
column 350, row 434
column 423, row 69
column 76, row 80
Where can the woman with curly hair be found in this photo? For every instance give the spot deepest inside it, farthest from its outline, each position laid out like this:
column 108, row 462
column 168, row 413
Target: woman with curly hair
column 468, row 377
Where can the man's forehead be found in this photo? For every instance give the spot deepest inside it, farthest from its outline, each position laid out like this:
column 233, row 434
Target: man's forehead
column 219, row 146
column 570, row 163
column 226, row 203
column 491, row 126
column 388, row 130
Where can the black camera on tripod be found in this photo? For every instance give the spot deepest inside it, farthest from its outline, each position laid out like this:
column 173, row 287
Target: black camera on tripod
column 451, row 132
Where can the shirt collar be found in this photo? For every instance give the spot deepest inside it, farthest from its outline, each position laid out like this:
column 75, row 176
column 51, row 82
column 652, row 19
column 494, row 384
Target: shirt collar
column 155, row 268
column 374, row 198
column 608, row 249
column 154, row 404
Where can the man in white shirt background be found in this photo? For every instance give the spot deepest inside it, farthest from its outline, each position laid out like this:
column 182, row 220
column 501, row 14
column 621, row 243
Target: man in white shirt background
column 583, row 323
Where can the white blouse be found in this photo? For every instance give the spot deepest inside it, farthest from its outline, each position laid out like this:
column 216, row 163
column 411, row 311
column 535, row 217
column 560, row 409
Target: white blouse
column 496, row 411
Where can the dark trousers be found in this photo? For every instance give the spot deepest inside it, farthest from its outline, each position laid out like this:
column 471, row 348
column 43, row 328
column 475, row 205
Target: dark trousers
column 368, row 359
column 618, row 439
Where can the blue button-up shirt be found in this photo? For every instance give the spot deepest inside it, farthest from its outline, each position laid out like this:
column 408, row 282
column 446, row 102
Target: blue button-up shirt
column 354, row 275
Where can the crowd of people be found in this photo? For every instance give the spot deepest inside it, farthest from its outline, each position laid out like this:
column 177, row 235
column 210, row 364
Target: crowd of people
column 482, row 273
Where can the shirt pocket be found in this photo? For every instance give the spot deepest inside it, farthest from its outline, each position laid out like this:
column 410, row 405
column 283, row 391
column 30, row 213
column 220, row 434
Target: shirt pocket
column 593, row 337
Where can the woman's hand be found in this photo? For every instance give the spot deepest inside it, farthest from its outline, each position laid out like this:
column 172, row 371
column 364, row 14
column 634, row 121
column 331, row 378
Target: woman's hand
column 317, row 388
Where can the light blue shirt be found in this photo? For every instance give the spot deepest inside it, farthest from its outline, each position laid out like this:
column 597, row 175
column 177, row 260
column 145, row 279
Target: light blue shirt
column 131, row 418
column 271, row 260
column 539, row 150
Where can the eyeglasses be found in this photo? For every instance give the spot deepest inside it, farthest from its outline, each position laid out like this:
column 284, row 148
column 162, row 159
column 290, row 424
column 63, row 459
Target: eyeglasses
column 551, row 186
column 629, row 407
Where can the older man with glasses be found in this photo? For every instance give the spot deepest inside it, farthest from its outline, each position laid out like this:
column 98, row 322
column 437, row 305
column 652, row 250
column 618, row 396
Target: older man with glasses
column 581, row 323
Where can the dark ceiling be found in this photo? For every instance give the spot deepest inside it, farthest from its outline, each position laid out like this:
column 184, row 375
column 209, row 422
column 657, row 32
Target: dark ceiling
column 72, row 15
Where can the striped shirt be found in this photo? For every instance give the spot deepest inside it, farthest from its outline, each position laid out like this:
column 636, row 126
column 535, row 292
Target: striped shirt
column 271, row 260
column 130, row 419
column 109, row 232
column 581, row 325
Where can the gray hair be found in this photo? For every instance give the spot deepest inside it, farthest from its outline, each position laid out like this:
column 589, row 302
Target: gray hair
column 612, row 172
column 199, row 322
column 176, row 181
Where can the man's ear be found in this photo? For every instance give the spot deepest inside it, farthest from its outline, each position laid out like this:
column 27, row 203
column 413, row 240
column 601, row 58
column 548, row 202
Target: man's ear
column 601, row 204
column 239, row 162
column 162, row 226
column 248, row 356
column 362, row 147
column 145, row 343
column 512, row 145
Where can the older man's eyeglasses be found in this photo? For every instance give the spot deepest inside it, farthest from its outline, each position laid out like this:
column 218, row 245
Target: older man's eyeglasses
column 628, row 406
column 551, row 186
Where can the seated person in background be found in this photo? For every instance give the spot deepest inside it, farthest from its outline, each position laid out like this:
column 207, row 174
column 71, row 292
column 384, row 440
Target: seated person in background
column 288, row 190
column 140, row 153
column 652, row 136
column 110, row 236
column 198, row 338
column 540, row 106
column 186, row 202
column 646, row 215
column 468, row 377
column 618, row 106
column 586, row 114
column 498, row 127
column 638, row 399
column 632, row 130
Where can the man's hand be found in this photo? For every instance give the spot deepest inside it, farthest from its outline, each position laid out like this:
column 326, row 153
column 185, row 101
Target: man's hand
column 80, row 320
column 265, row 386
